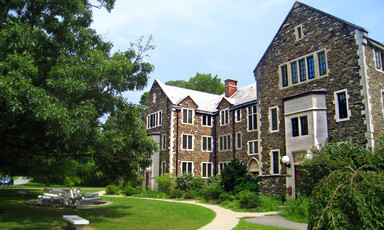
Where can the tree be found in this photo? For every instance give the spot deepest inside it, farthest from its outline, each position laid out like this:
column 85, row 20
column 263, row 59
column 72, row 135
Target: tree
column 57, row 78
column 201, row 82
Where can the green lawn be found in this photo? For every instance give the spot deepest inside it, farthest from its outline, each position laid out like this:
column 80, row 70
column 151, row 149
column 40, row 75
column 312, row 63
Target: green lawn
column 124, row 213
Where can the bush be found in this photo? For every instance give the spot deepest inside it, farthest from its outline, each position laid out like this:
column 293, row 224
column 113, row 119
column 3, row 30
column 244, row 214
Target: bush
column 249, row 200
column 183, row 182
column 212, row 192
column 197, row 183
column 176, row 193
column 191, row 194
column 112, row 189
column 152, row 194
column 129, row 190
column 297, row 209
column 270, row 202
column 165, row 183
column 235, row 178
column 348, row 199
column 250, row 185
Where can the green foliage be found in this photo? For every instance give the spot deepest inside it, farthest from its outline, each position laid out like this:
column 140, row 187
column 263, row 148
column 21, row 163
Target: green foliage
column 270, row 202
column 235, row 178
column 249, row 200
column 201, row 82
column 176, row 193
column 152, row 194
column 348, row 199
column 225, row 196
column 191, row 194
column 296, row 209
column 112, row 189
column 183, row 181
column 143, row 98
column 129, row 190
column 197, row 183
column 334, row 156
column 165, row 183
column 212, row 192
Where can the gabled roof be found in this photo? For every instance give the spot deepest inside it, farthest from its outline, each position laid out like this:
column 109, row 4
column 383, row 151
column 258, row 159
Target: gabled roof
column 206, row 101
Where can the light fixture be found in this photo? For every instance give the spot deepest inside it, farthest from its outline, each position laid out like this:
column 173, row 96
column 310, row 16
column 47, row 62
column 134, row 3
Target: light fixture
column 286, row 161
column 309, row 156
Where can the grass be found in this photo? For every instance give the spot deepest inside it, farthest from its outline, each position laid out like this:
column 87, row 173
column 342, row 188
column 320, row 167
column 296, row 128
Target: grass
column 124, row 213
column 250, row 226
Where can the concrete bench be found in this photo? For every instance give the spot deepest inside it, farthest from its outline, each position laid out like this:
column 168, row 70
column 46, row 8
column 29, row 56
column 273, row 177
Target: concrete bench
column 75, row 222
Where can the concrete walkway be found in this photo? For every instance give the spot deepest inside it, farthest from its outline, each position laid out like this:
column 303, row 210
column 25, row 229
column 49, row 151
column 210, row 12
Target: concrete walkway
column 277, row 221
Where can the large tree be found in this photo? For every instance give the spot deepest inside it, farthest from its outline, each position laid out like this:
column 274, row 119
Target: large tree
column 57, row 79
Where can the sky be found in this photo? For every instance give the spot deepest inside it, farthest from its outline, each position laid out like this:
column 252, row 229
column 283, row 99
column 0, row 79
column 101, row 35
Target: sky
column 226, row 38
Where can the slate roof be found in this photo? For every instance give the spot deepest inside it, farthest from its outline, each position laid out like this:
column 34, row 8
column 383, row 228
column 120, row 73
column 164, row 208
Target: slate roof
column 206, row 101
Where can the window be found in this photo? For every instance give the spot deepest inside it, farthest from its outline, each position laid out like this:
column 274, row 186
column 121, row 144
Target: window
column 304, row 68
column 224, row 117
column 207, row 144
column 163, row 168
column 154, row 120
column 187, row 116
column 206, row 169
column 382, row 100
column 341, row 102
column 275, row 162
column 294, row 72
column 154, row 98
column 253, row 147
column 225, row 142
column 322, row 63
column 252, row 118
column 299, row 32
column 284, row 75
column 187, row 142
column 238, row 140
column 238, row 115
column 311, row 67
column 163, row 142
column 379, row 57
column 299, row 126
column 206, row 120
column 273, row 113
column 187, row 167
column 222, row 165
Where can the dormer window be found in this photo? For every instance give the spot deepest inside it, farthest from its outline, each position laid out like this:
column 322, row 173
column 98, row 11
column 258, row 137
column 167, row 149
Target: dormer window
column 299, row 32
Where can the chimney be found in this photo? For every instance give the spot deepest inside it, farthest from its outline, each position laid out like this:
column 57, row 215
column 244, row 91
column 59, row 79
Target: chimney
column 230, row 87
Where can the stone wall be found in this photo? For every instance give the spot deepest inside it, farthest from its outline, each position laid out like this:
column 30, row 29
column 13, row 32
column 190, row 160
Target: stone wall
column 272, row 185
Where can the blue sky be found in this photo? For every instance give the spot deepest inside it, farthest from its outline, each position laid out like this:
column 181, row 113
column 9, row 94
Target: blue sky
column 222, row 37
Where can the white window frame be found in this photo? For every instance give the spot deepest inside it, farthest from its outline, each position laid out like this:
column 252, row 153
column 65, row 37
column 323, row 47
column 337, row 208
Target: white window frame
column 252, row 116
column 187, row 162
column 187, row 144
column 157, row 119
column 163, row 167
column 253, row 147
column 271, row 130
column 207, row 117
column 163, row 142
column 209, row 140
column 382, row 100
column 381, row 60
column 241, row 140
column 187, row 118
column 272, row 158
column 237, row 115
column 224, row 117
column 299, row 34
column 205, row 165
column 222, row 165
column 336, row 103
column 228, row 141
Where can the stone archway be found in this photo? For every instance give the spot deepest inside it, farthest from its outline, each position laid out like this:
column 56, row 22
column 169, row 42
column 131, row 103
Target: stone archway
column 254, row 167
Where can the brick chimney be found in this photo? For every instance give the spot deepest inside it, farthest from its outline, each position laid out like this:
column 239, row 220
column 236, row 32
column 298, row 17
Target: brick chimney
column 230, row 87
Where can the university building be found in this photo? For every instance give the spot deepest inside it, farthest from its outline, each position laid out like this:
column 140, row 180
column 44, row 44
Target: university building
column 320, row 80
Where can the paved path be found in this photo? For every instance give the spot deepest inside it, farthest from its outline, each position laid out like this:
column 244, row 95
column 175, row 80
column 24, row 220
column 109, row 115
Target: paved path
column 21, row 180
column 277, row 221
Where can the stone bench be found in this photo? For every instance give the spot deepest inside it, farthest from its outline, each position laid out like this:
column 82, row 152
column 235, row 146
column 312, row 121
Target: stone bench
column 75, row 222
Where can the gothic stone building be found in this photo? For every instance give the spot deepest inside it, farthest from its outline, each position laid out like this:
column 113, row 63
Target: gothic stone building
column 320, row 80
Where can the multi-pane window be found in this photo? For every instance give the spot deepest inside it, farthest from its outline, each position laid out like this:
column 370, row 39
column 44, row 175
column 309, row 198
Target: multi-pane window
column 163, row 168
column 294, row 72
column 252, row 117
column 273, row 119
column 206, row 120
column 222, row 165
column 299, row 126
column 304, row 68
column 206, row 169
column 238, row 140
column 224, row 117
column 187, row 167
column 207, row 143
column 163, row 142
column 187, row 142
column 379, row 57
column 187, row 116
column 238, row 115
column 275, row 162
column 311, row 67
column 154, row 120
column 225, row 142
column 253, row 147
column 342, row 105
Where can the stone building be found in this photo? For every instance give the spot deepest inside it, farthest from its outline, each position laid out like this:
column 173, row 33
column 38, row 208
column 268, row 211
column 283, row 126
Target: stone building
column 321, row 79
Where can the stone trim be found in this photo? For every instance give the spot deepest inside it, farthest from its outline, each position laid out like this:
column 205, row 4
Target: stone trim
column 270, row 119
column 271, row 162
column 336, row 103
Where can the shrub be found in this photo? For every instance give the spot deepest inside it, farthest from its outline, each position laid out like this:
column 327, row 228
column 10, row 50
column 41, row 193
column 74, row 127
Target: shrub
column 191, row 194
column 348, row 199
column 197, row 183
column 235, row 177
column 129, row 190
column 212, row 192
column 249, row 200
column 270, row 202
column 112, row 189
column 250, row 185
column 165, row 183
column 297, row 209
column 226, row 196
column 152, row 194
column 183, row 182
column 176, row 193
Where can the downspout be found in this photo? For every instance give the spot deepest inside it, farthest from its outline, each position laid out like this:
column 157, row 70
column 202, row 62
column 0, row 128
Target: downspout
column 214, row 147
column 177, row 141
column 233, row 135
